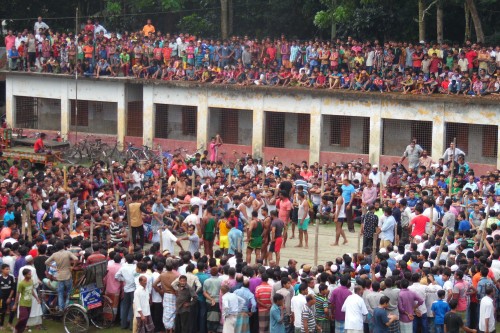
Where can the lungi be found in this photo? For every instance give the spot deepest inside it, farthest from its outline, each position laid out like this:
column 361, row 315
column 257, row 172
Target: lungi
column 213, row 317
column 264, row 321
column 169, row 310
column 242, row 323
column 406, row 327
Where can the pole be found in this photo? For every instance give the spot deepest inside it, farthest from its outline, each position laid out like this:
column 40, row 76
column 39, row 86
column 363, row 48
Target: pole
column 483, row 232
column 160, row 230
column 452, row 167
column 28, row 219
column 72, row 213
column 193, row 182
column 445, row 235
column 316, row 232
column 381, row 189
column 65, row 173
column 24, row 219
column 230, row 176
column 115, row 192
column 432, row 218
column 76, row 78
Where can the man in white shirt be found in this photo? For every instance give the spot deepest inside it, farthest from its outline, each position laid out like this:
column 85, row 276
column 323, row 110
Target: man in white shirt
column 354, row 308
column 297, row 304
column 142, row 311
column 487, row 312
column 127, row 274
column 196, row 201
column 452, row 152
column 192, row 219
column 374, row 175
column 40, row 25
column 231, row 305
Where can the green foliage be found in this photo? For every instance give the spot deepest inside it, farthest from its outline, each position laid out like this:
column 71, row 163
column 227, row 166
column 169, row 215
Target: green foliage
column 197, row 25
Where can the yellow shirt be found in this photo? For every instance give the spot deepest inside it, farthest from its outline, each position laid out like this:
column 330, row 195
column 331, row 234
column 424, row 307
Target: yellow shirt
column 223, row 229
column 147, row 29
column 135, row 214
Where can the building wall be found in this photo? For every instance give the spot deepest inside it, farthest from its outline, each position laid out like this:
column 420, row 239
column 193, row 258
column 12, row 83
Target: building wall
column 438, row 109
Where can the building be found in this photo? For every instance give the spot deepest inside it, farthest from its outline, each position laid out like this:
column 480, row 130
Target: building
column 293, row 124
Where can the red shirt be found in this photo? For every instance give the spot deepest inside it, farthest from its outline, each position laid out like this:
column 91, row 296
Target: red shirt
column 471, row 55
column 419, row 222
column 39, row 145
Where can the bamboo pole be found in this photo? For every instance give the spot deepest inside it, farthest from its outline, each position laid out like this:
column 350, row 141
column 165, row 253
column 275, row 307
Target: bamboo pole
column 115, row 192
column 452, row 167
column 24, row 219
column 28, row 220
column 65, row 174
column 432, row 219
column 72, row 213
column 316, row 232
column 483, row 232
column 445, row 235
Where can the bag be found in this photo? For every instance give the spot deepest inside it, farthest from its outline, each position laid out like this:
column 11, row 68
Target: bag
column 481, row 288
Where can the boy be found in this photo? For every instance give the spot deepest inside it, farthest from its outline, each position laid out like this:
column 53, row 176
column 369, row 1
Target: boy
column 453, row 321
column 381, row 318
column 24, row 292
column 7, row 287
column 440, row 308
column 277, row 314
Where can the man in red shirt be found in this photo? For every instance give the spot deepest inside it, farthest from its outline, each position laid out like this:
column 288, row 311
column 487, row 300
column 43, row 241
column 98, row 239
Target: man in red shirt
column 39, row 145
column 419, row 222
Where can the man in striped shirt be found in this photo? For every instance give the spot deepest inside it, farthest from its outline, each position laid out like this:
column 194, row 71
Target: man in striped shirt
column 263, row 294
column 309, row 316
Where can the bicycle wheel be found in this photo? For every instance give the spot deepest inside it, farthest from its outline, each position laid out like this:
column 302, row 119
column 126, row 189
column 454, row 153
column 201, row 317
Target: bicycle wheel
column 103, row 316
column 72, row 155
column 75, row 319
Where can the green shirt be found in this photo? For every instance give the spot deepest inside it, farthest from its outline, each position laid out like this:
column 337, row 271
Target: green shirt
column 25, row 288
column 125, row 58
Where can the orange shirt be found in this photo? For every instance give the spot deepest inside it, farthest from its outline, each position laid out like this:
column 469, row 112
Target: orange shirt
column 88, row 49
column 147, row 29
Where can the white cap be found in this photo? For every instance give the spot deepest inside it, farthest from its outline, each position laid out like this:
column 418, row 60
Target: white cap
column 100, row 195
column 454, row 268
column 375, row 166
column 427, row 264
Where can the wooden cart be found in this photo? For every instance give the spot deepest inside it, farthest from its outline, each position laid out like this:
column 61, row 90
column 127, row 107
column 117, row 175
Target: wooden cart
column 27, row 158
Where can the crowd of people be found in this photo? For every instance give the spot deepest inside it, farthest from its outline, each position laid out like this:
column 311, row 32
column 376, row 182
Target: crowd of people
column 416, row 68
column 194, row 246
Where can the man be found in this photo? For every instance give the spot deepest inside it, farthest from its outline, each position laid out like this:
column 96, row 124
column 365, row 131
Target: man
column 381, row 318
column 296, row 305
column 142, row 310
column 487, row 311
column 412, row 152
column 64, row 262
column 408, row 304
column 348, row 195
column 387, row 229
column 25, row 292
column 369, row 224
column 127, row 274
column 284, row 207
column 254, row 236
column 231, row 304
column 194, row 240
column 39, row 146
column 354, row 308
column 277, row 226
column 452, row 153
column 263, row 294
column 163, row 286
column 460, row 293
column 337, row 299
column 369, row 194
column 211, row 291
column 235, row 237
column 425, row 160
column 148, row 29
column 322, row 308
column 136, row 221
column 309, row 316
column 39, row 24
column 185, row 299
column 303, row 220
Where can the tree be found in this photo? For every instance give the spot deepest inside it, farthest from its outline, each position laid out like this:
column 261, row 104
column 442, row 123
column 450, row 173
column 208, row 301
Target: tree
column 478, row 27
column 439, row 21
column 224, row 19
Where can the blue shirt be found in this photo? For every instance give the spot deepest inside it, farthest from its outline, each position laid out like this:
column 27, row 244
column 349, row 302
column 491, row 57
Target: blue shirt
column 439, row 308
column 246, row 294
column 387, row 230
column 347, row 192
column 235, row 240
column 202, row 277
column 8, row 216
column 276, row 323
column 464, row 225
column 380, row 319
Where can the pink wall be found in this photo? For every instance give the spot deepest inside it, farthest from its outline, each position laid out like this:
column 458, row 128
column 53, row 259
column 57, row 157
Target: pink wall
column 285, row 155
column 328, row 157
column 171, row 145
column 136, row 140
column 31, row 132
column 109, row 139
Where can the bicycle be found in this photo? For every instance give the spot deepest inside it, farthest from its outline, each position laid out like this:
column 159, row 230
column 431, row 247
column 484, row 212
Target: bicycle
column 135, row 153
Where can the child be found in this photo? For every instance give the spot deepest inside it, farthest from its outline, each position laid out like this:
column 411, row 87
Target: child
column 276, row 314
column 453, row 320
column 440, row 308
column 24, row 292
column 7, row 295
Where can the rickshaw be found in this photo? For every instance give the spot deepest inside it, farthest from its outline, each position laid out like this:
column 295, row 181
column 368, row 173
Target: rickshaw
column 87, row 305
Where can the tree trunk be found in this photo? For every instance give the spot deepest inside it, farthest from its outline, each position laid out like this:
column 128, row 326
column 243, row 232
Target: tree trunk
column 230, row 14
column 467, row 22
column 478, row 27
column 439, row 21
column 334, row 25
column 421, row 20
column 223, row 19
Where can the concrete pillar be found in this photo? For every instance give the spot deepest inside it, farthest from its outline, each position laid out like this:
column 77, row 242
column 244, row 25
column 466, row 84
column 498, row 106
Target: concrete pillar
column 438, row 136
column 10, row 102
column 374, row 148
column 148, row 115
column 203, row 120
column 315, row 136
column 65, row 114
column 258, row 128
column 121, row 116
